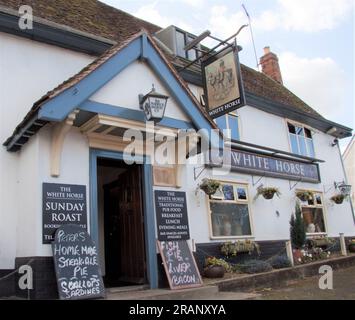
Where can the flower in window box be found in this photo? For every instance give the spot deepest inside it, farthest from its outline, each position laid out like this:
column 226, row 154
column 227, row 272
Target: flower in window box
column 268, row 192
column 338, row 198
column 305, row 195
column 209, row 186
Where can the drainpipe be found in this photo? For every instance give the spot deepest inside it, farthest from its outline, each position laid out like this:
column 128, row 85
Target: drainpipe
column 346, row 180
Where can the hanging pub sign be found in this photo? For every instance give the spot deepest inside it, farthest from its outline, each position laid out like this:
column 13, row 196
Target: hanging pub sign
column 223, row 87
column 171, row 213
column 62, row 204
column 260, row 164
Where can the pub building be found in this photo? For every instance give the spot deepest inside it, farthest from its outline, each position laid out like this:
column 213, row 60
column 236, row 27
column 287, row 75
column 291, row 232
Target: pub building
column 71, row 87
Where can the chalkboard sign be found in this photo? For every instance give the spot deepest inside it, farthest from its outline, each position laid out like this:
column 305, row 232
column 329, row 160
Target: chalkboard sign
column 62, row 204
column 171, row 213
column 179, row 264
column 76, row 264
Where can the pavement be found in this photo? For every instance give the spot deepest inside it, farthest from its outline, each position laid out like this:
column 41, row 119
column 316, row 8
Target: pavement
column 308, row 288
column 301, row 289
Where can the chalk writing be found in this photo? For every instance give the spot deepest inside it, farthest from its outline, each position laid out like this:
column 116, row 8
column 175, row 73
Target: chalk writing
column 179, row 264
column 76, row 264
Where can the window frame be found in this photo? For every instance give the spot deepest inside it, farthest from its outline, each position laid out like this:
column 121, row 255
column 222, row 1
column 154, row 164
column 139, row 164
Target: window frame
column 186, row 36
column 297, row 124
column 315, row 205
column 226, row 115
column 245, row 185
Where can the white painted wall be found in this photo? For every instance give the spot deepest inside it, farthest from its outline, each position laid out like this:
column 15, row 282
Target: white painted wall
column 349, row 164
column 28, row 69
column 268, row 130
column 135, row 79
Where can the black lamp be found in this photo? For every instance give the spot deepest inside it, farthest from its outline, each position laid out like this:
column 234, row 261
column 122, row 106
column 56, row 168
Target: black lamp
column 153, row 104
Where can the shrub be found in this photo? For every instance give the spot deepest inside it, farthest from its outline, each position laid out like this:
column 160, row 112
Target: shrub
column 231, row 249
column 280, row 262
column 213, row 261
column 297, row 229
column 255, row 266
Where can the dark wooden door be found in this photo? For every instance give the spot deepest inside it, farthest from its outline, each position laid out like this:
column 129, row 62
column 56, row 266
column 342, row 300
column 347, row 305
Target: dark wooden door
column 125, row 232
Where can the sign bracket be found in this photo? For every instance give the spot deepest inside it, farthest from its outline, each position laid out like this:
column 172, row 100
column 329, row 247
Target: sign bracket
column 297, row 182
column 255, row 183
column 196, row 176
column 326, row 191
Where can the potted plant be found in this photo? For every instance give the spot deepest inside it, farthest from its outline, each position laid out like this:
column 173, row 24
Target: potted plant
column 338, row 198
column 304, row 195
column 297, row 232
column 215, row 268
column 230, row 249
column 268, row 192
column 351, row 245
column 209, row 186
column 320, row 242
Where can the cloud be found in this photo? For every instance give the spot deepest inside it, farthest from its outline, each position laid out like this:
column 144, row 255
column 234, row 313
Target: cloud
column 320, row 82
column 305, row 15
column 150, row 12
column 222, row 23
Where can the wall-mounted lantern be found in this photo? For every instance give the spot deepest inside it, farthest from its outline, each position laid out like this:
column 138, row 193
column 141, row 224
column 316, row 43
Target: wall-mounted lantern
column 153, row 104
column 344, row 188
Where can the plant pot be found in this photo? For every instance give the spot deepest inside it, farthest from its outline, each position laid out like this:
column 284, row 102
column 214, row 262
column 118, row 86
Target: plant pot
column 268, row 195
column 214, row 272
column 351, row 247
column 297, row 254
column 303, row 198
column 338, row 200
column 208, row 190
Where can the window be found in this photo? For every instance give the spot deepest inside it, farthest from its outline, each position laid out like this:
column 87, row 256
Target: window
column 301, row 140
column 182, row 39
column 180, row 44
column 313, row 214
column 229, row 211
column 229, row 121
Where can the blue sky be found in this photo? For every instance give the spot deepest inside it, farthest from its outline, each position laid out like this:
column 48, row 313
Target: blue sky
column 314, row 40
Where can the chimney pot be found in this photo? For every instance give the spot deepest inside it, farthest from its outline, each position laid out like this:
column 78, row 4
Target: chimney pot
column 270, row 65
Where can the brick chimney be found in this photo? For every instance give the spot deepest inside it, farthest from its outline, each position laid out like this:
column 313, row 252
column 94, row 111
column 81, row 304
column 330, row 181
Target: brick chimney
column 270, row 65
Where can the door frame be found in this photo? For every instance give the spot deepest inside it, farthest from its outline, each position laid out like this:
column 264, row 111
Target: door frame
column 148, row 208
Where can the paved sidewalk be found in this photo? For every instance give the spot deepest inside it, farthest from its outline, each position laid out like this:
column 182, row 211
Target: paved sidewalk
column 308, row 289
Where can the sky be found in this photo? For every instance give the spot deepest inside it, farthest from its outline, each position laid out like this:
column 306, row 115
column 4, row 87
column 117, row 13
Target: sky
column 314, row 40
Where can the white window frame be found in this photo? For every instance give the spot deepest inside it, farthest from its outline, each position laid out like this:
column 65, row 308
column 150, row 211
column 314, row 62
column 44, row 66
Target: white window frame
column 247, row 202
column 234, row 114
column 322, row 206
column 297, row 124
column 186, row 35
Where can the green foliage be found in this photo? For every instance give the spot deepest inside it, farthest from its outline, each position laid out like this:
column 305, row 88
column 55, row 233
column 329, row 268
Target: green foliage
column 231, row 249
column 280, row 262
column 213, row 261
column 255, row 266
column 209, row 186
column 268, row 192
column 305, row 195
column 297, row 229
column 339, row 198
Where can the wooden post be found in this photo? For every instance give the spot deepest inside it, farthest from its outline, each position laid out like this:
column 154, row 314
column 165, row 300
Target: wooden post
column 342, row 244
column 289, row 252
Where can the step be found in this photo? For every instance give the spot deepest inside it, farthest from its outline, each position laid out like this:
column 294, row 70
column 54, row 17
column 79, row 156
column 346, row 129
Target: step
column 165, row 294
